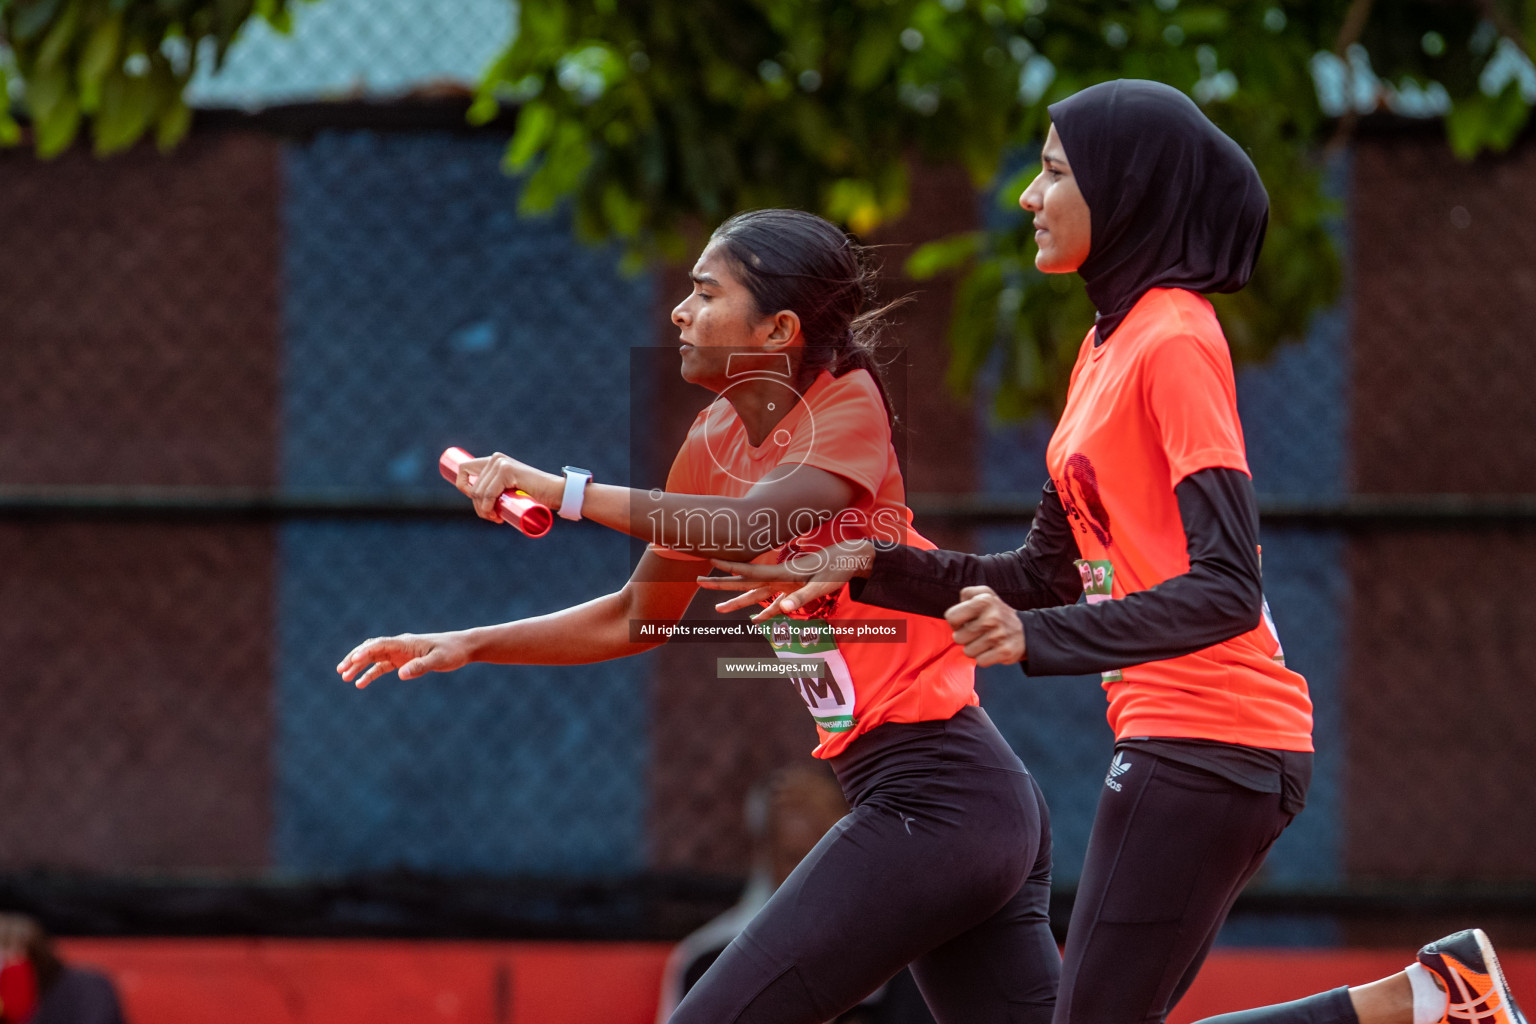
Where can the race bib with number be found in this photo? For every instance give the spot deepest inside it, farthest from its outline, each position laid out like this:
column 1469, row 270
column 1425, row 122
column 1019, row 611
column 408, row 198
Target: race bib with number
column 1099, row 585
column 1269, row 620
column 828, row 691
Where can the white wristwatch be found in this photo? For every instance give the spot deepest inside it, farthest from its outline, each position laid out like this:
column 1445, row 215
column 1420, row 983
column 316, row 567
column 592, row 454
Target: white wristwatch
column 576, row 481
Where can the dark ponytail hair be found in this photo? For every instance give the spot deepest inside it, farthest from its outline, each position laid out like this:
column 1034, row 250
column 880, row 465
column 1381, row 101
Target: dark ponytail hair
column 790, row 259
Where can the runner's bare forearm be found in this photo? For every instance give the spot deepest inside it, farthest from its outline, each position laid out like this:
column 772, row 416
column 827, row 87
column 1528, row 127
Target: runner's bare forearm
column 597, row 630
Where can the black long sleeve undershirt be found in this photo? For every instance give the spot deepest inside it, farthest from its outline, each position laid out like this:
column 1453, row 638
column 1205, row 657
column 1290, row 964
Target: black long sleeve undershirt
column 1219, row 597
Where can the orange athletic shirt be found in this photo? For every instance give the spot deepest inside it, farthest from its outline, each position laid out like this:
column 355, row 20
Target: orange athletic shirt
column 1153, row 404
column 839, row 426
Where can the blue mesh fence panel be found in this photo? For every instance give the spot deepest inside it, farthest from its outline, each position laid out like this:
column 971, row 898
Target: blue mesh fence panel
column 1306, row 581
column 422, row 312
column 1295, row 406
column 1056, row 725
column 1295, row 409
column 493, row 769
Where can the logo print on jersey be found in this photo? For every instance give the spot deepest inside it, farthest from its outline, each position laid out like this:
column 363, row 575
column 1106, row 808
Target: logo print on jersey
column 830, row 699
column 1080, row 497
column 1118, row 767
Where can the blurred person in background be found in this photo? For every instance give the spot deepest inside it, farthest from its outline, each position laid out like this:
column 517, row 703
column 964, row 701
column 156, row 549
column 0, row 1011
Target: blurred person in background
column 36, row 987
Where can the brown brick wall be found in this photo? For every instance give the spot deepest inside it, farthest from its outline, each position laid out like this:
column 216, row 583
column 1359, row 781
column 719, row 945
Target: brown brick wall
column 1439, row 706
column 140, row 347
column 941, row 429
column 141, row 315
column 1442, row 662
column 1444, row 361
column 137, row 723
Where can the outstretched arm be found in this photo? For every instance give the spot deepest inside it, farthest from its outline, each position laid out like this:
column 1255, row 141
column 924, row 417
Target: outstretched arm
column 1039, row 574
column 598, row 630
column 789, row 501
column 1220, row 597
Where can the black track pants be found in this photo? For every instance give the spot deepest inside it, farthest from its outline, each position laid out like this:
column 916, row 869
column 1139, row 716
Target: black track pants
column 1172, row 846
column 943, row 863
column 1332, row 1007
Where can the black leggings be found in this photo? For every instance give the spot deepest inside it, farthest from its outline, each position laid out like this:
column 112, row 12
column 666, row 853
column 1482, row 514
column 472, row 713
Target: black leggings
column 1171, row 848
column 1332, row 1007
column 943, row 863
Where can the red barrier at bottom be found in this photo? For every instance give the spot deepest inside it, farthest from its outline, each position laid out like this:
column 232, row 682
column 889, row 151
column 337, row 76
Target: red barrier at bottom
column 1238, row 979
column 294, row 981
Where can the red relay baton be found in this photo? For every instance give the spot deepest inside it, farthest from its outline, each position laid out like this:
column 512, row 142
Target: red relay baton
column 515, row 507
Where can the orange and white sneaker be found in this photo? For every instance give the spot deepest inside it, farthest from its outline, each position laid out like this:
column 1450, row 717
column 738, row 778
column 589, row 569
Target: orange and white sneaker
column 1469, row 969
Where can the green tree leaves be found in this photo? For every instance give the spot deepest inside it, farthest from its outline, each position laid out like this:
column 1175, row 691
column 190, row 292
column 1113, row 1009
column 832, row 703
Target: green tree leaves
column 119, row 65
column 696, row 111
column 656, row 119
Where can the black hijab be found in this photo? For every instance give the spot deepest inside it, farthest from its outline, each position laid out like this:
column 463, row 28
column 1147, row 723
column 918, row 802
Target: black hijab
column 1173, row 202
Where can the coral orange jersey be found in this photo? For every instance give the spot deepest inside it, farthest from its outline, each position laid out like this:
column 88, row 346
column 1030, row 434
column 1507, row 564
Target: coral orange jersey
column 1153, row 404
column 839, row 426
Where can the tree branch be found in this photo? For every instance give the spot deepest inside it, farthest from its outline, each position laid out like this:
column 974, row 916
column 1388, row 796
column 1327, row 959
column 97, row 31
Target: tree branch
column 1349, row 34
column 1354, row 26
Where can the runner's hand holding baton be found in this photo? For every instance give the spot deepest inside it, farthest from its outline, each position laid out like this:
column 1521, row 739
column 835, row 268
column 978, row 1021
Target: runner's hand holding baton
column 492, row 482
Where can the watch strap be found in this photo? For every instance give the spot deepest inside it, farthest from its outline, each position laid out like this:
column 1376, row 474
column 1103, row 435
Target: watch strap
column 576, row 481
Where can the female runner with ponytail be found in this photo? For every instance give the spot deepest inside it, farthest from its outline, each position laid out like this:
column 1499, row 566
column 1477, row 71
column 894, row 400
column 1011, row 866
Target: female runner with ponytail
column 943, row 862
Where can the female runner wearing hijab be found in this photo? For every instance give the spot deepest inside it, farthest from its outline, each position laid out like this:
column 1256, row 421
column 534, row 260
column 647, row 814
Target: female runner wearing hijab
column 1150, row 510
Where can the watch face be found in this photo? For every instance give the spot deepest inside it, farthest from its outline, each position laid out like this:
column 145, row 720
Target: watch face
column 576, row 469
